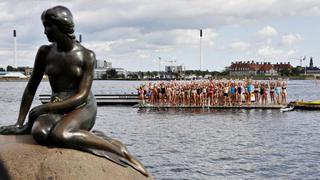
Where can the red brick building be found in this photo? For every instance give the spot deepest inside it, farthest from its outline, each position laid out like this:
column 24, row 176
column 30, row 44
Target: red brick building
column 282, row 66
column 249, row 68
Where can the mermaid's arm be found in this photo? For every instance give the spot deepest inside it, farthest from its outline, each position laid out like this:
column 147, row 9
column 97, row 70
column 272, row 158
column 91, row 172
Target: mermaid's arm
column 34, row 81
column 81, row 96
column 28, row 94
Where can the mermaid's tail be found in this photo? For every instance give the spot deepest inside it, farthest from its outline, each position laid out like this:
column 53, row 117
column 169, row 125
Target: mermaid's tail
column 109, row 155
column 122, row 161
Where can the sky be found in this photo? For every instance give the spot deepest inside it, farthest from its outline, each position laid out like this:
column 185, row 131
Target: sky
column 138, row 34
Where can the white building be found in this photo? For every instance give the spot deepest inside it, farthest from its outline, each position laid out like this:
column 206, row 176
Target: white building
column 98, row 73
column 101, row 67
column 102, row 64
column 121, row 71
column 174, row 69
column 14, row 75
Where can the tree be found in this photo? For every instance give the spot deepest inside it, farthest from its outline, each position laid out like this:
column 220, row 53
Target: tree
column 141, row 74
column 225, row 72
column 10, row 68
column 296, row 71
column 112, row 73
column 133, row 76
column 20, row 69
column 215, row 73
column 148, row 74
column 284, row 72
column 120, row 76
column 2, row 69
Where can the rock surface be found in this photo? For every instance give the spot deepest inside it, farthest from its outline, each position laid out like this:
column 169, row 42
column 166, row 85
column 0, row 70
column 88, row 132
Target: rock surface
column 22, row 158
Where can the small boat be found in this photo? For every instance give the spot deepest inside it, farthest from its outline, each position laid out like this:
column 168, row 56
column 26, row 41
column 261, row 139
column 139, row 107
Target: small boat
column 286, row 109
column 308, row 105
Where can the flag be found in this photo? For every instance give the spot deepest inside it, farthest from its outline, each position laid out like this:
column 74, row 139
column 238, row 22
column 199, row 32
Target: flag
column 200, row 32
column 14, row 33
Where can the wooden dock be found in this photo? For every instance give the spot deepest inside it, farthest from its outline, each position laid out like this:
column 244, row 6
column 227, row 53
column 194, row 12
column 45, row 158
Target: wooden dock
column 105, row 99
column 252, row 106
column 133, row 100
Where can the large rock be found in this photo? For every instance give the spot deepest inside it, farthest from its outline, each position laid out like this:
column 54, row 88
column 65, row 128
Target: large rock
column 22, row 158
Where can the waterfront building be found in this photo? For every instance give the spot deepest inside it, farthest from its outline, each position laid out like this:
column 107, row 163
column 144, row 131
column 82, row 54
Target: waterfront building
column 14, row 75
column 101, row 67
column 102, row 64
column 282, row 67
column 174, row 71
column 121, row 72
column 243, row 68
column 99, row 73
column 312, row 70
column 28, row 71
column 267, row 69
column 2, row 73
column 252, row 68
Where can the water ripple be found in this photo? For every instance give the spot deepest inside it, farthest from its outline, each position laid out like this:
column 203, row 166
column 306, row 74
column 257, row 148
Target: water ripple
column 202, row 144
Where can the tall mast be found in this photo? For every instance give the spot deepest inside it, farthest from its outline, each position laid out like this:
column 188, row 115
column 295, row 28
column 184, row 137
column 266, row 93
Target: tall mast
column 200, row 68
column 14, row 47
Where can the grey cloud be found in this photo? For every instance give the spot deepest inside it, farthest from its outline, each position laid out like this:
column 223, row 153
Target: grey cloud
column 150, row 23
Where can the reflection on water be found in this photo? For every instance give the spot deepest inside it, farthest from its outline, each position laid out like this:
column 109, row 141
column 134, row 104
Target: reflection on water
column 206, row 144
column 234, row 143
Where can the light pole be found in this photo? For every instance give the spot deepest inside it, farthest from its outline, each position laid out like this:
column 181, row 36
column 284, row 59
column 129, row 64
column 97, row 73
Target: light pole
column 200, row 68
column 14, row 47
column 80, row 38
column 159, row 60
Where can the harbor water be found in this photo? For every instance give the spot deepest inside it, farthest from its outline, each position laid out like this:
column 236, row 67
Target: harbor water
column 201, row 143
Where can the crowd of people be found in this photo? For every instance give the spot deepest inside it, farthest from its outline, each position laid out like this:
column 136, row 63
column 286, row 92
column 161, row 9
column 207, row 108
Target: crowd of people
column 214, row 92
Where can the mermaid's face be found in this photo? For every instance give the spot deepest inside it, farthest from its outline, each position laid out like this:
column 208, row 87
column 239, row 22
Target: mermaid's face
column 51, row 31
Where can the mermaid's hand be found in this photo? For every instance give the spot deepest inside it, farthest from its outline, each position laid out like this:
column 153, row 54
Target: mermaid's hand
column 6, row 130
column 14, row 130
column 37, row 111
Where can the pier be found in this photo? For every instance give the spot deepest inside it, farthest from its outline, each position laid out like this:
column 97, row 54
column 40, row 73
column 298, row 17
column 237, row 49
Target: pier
column 252, row 106
column 105, row 99
column 133, row 100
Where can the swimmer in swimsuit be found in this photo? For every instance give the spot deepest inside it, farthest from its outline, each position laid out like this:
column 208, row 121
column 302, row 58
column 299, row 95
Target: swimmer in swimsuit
column 278, row 92
column 272, row 92
column 284, row 93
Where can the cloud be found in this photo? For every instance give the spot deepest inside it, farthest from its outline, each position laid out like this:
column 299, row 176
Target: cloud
column 291, row 39
column 193, row 14
column 143, row 54
column 269, row 52
column 240, row 46
column 181, row 37
column 129, row 29
column 268, row 32
column 291, row 52
column 135, row 41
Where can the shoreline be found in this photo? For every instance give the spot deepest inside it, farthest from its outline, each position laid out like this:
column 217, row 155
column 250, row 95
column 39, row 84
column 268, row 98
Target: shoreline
column 222, row 77
column 17, row 79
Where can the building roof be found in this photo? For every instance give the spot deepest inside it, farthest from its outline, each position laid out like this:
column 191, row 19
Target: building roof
column 313, row 68
column 247, row 66
column 14, row 75
column 265, row 67
column 257, row 66
column 282, row 66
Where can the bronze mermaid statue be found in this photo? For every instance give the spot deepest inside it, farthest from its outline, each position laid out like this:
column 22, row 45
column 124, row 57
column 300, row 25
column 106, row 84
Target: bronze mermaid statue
column 67, row 120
